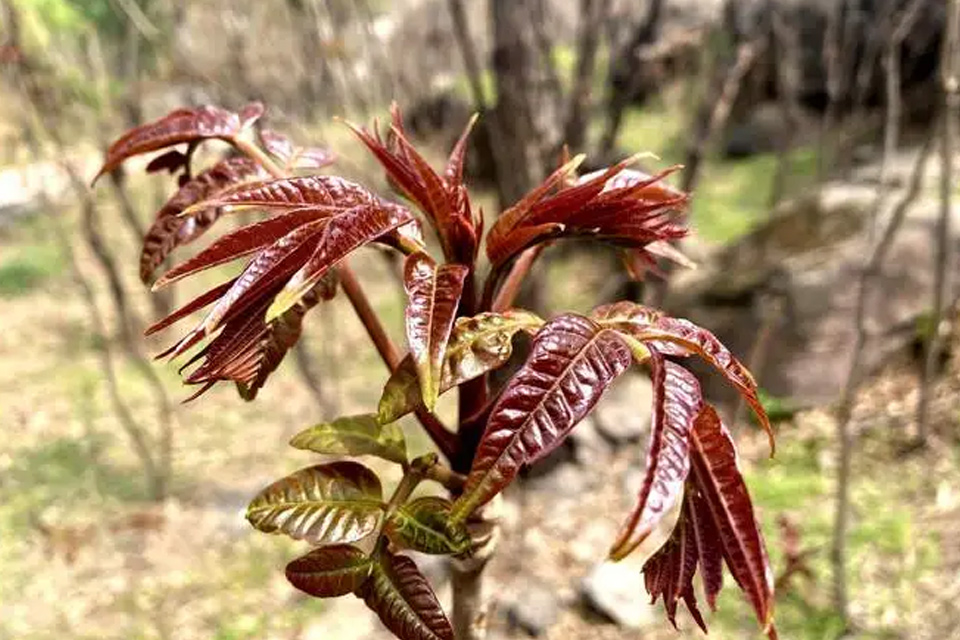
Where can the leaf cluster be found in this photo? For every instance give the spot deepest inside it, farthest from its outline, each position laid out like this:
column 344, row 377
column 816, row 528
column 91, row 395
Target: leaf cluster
column 460, row 326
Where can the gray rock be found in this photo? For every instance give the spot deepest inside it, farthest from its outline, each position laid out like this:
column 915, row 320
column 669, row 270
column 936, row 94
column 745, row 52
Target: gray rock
column 795, row 278
column 566, row 481
column 616, row 592
column 623, row 416
column 534, row 608
column 587, row 444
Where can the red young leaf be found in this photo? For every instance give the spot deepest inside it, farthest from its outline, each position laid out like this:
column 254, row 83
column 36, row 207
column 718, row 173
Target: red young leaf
column 259, row 282
column 571, row 363
column 433, row 296
column 179, row 126
column 716, row 475
column 244, row 241
column 401, row 596
column 632, row 215
column 679, row 337
column 170, row 230
column 669, row 572
column 201, row 301
column 295, row 193
column 444, row 200
column 330, row 571
column 676, row 404
column 344, row 233
column 709, row 547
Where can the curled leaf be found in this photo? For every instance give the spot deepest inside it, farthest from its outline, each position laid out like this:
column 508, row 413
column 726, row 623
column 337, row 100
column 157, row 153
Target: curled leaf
column 433, row 297
column 338, row 502
column 330, row 571
column 668, row 574
column 679, row 337
column 179, row 126
column 402, row 598
column 354, row 436
column 478, row 344
column 676, row 404
column 571, row 363
column 424, row 525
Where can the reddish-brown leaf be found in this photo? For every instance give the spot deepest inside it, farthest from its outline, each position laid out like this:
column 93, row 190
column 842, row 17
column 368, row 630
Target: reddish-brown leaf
column 330, row 571
column 401, row 596
column 676, row 404
column 249, row 349
column 442, row 199
column 343, row 234
column 258, row 283
column 709, row 547
column 172, row 161
column 571, row 363
column 433, row 294
column 292, row 156
column 244, row 241
column 295, row 193
column 170, row 230
column 201, row 301
column 717, row 477
column 179, row 126
column 250, row 113
column 606, row 206
column 679, row 337
column 669, row 572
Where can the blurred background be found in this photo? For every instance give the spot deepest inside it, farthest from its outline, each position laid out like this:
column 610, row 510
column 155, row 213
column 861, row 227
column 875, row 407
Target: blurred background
column 818, row 138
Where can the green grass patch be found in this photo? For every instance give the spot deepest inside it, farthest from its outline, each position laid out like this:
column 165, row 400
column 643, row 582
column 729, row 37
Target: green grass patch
column 23, row 269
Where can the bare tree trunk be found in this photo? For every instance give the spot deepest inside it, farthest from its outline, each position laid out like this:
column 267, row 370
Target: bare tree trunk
column 785, row 42
column 526, row 115
column 593, row 14
column 625, row 75
column 943, row 258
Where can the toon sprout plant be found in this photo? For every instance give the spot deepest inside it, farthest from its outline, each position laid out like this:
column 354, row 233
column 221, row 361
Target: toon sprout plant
column 460, row 323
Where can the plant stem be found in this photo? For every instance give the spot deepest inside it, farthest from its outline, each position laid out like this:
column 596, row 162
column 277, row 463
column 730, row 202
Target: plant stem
column 511, row 286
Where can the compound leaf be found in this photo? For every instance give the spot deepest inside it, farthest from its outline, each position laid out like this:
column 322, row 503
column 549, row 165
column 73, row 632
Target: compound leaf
column 572, row 362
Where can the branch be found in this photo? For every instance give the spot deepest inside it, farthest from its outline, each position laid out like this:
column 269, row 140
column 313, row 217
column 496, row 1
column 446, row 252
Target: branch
column 943, row 258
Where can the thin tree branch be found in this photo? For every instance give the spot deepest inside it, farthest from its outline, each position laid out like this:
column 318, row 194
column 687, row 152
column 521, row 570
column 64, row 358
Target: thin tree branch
column 943, row 257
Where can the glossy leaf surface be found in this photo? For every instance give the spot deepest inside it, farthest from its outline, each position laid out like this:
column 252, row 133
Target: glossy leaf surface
column 354, row 436
column 401, row 596
column 171, row 230
column 342, row 235
column 296, row 193
column 330, row 571
column 717, row 477
column 679, row 337
column 668, row 574
column 433, row 294
column 443, row 199
column 331, row 503
column 424, row 525
column 477, row 345
column 602, row 206
column 676, row 403
column 571, row 363
column 179, row 126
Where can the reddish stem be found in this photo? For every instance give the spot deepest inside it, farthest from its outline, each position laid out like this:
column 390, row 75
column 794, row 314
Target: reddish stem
column 518, row 272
